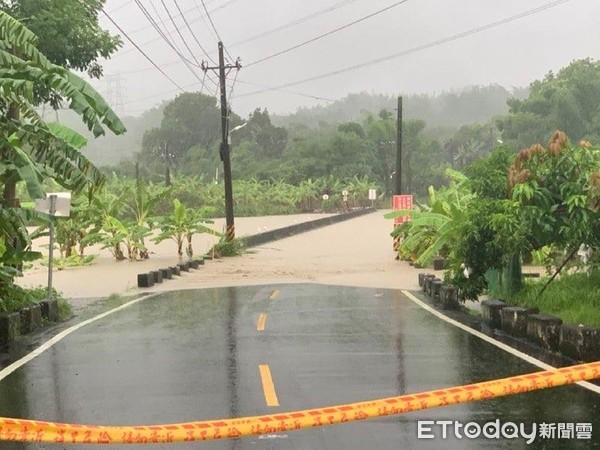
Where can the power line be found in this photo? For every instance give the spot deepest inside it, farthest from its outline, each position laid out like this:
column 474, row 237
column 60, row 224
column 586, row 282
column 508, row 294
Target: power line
column 179, row 32
column 191, row 22
column 192, row 33
column 161, row 94
column 206, row 24
column 121, row 7
column 285, row 91
column 137, row 30
column 156, row 25
column 215, row 28
column 142, row 51
column 159, row 30
column 329, row 33
column 419, row 48
column 146, row 69
column 186, row 87
column 294, row 23
column 187, row 62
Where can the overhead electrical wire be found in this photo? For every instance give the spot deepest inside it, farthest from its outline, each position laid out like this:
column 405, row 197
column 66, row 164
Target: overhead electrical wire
column 193, row 34
column 161, row 33
column 146, row 27
column 294, row 23
column 186, row 61
column 147, row 69
column 186, row 87
column 329, row 33
column 157, row 26
column 183, row 39
column 215, row 28
column 204, row 21
column 121, row 6
column 420, row 48
column 316, row 97
column 142, row 52
column 253, row 38
column 191, row 22
column 160, row 94
column 179, row 33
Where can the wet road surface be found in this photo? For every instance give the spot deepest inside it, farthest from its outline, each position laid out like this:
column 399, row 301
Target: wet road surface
column 196, row 355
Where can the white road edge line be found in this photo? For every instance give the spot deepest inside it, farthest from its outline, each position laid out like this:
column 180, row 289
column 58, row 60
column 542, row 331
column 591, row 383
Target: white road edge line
column 500, row 345
column 63, row 334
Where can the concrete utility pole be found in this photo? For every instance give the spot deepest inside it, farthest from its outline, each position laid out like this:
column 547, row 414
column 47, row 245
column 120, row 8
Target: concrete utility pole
column 398, row 190
column 223, row 69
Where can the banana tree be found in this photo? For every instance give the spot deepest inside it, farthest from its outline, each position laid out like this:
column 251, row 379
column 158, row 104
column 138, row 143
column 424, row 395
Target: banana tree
column 181, row 226
column 31, row 149
column 145, row 199
column 432, row 229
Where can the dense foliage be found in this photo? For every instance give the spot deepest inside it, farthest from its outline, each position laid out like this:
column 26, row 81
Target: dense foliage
column 549, row 197
column 568, row 100
column 32, row 150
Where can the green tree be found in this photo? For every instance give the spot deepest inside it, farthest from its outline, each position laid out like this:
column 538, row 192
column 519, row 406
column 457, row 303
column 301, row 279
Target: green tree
column 558, row 187
column 568, row 101
column 488, row 177
column 271, row 140
column 190, row 120
column 68, row 31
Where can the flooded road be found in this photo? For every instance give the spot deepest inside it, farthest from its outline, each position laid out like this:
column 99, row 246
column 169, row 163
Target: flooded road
column 233, row 352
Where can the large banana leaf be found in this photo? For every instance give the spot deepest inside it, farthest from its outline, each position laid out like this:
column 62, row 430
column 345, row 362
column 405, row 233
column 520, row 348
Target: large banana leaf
column 68, row 135
column 18, row 52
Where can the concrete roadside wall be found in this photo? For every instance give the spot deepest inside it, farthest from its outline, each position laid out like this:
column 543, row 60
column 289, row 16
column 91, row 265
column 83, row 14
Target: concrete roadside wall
column 281, row 233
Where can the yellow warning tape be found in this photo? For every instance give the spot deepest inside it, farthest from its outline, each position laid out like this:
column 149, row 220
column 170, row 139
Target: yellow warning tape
column 34, row 431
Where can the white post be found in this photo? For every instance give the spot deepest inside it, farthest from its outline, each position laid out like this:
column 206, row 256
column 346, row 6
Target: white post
column 52, row 211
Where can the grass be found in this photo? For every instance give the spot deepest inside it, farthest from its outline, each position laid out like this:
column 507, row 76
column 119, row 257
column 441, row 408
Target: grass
column 36, row 295
column 225, row 248
column 575, row 298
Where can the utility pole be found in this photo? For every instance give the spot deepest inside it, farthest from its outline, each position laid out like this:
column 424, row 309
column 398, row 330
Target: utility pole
column 223, row 69
column 398, row 190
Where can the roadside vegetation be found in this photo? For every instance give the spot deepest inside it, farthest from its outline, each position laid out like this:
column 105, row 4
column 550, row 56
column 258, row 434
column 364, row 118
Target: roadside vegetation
column 542, row 204
column 31, row 149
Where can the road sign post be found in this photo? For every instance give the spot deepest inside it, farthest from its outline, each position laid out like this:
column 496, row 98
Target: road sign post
column 372, row 196
column 402, row 202
column 57, row 204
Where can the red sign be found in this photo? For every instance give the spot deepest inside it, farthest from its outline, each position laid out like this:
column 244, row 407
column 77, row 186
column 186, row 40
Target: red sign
column 402, row 202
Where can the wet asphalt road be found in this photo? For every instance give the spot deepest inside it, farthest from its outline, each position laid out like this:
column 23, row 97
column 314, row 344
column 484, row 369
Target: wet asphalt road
column 195, row 355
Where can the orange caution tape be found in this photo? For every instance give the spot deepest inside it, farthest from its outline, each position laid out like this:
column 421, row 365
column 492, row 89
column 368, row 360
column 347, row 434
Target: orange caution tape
column 34, row 431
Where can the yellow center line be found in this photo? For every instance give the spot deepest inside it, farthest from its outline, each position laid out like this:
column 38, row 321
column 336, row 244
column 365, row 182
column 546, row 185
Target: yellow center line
column 268, row 386
column 261, row 322
column 274, row 294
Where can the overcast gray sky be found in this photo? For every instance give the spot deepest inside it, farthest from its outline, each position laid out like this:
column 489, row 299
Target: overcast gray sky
column 512, row 54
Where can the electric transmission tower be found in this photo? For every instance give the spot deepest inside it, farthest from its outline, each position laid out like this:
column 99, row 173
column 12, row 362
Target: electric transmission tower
column 114, row 92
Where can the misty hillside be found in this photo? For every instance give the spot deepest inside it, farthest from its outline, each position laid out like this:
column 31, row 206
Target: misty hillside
column 110, row 149
column 448, row 109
